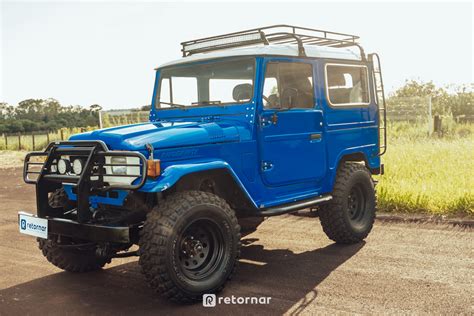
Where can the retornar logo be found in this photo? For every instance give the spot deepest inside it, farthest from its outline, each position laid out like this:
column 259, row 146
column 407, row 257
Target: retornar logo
column 209, row 300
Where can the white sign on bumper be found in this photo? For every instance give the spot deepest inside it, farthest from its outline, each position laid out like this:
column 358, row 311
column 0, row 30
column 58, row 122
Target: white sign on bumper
column 32, row 225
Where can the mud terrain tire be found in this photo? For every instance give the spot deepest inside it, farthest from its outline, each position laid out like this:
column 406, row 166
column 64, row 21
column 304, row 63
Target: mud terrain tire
column 189, row 246
column 349, row 216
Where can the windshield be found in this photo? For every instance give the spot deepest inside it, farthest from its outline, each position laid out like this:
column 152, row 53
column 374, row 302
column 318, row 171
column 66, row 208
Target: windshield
column 214, row 83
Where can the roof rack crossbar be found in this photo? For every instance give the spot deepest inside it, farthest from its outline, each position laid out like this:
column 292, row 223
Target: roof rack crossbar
column 274, row 34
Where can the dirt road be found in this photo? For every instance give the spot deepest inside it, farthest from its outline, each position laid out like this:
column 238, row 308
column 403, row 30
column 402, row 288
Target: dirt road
column 401, row 268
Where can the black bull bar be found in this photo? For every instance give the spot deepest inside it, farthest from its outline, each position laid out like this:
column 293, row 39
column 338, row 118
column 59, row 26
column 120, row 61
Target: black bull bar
column 89, row 182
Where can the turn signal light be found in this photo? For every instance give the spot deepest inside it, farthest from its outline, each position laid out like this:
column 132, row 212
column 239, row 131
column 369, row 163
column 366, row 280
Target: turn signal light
column 153, row 168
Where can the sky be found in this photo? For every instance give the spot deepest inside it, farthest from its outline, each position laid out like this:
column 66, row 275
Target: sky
column 105, row 52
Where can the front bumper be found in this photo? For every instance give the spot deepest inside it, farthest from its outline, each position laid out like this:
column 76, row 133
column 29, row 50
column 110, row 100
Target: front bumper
column 90, row 232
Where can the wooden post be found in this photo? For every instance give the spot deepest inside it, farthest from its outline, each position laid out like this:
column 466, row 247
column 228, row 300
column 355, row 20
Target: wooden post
column 437, row 125
column 430, row 117
column 6, row 141
column 19, row 141
column 100, row 120
column 47, row 138
column 33, row 140
column 62, row 134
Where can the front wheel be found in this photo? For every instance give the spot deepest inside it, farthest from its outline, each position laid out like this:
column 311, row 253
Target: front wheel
column 349, row 216
column 71, row 255
column 189, row 246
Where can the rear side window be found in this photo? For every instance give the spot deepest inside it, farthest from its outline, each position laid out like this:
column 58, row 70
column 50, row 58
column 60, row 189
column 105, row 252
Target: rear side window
column 347, row 85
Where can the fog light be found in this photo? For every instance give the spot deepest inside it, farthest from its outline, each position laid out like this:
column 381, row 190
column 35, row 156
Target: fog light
column 64, row 166
column 77, row 166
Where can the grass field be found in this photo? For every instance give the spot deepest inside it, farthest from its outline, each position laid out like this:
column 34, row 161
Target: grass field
column 428, row 175
column 423, row 174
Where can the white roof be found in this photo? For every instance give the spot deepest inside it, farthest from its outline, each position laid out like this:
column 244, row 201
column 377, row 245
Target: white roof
column 266, row 50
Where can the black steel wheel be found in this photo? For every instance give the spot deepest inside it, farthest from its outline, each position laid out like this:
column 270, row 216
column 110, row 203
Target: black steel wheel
column 349, row 216
column 356, row 205
column 189, row 246
column 201, row 249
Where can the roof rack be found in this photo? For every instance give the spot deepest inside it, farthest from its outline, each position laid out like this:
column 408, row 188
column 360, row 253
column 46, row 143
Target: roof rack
column 274, row 34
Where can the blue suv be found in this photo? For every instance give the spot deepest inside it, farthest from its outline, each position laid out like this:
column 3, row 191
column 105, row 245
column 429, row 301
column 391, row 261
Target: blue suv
column 245, row 126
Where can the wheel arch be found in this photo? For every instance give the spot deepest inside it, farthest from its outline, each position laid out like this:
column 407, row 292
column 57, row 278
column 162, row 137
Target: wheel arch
column 216, row 177
column 359, row 155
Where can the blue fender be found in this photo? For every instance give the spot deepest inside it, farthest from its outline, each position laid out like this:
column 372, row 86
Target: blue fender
column 171, row 175
column 368, row 151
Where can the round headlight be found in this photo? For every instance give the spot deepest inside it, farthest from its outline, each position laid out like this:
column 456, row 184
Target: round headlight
column 63, row 166
column 77, row 166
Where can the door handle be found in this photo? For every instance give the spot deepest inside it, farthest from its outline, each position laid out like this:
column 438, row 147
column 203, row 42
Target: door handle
column 315, row 136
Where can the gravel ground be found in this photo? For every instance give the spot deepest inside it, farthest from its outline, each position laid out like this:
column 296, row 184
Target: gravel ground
column 402, row 268
column 11, row 159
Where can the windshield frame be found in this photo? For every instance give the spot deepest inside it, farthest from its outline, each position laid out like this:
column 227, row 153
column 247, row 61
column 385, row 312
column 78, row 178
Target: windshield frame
column 159, row 78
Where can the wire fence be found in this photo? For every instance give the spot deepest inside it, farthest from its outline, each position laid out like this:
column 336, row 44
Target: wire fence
column 37, row 140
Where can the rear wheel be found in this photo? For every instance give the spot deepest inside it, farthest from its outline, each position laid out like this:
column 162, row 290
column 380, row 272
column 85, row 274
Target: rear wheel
column 189, row 246
column 350, row 215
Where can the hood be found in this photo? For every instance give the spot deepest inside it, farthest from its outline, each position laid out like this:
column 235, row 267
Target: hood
column 162, row 135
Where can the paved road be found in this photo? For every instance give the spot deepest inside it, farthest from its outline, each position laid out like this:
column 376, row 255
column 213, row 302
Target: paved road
column 401, row 268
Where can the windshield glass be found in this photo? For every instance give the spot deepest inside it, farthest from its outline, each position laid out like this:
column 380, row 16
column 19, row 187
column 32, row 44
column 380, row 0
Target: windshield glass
column 214, row 83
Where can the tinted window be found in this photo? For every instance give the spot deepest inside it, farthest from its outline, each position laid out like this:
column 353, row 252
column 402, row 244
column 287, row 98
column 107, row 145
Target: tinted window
column 288, row 85
column 347, row 85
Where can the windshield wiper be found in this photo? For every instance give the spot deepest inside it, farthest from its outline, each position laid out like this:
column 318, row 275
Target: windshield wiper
column 173, row 105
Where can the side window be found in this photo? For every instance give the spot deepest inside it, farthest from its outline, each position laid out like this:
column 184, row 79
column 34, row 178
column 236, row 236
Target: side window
column 288, row 85
column 347, row 85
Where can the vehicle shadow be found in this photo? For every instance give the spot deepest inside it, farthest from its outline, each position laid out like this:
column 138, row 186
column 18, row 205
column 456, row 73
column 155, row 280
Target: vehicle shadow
column 291, row 279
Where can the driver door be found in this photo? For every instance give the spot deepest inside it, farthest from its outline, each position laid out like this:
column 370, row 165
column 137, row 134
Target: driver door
column 291, row 139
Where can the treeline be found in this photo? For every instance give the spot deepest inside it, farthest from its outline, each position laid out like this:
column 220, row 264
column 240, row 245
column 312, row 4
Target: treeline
column 45, row 115
column 456, row 101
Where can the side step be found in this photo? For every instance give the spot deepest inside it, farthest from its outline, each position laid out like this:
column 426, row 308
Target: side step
column 287, row 208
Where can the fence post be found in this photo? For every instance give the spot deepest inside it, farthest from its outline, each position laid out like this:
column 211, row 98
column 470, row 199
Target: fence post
column 437, row 125
column 19, row 141
column 100, row 120
column 6, row 141
column 430, row 117
column 33, row 140
column 47, row 138
column 62, row 134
